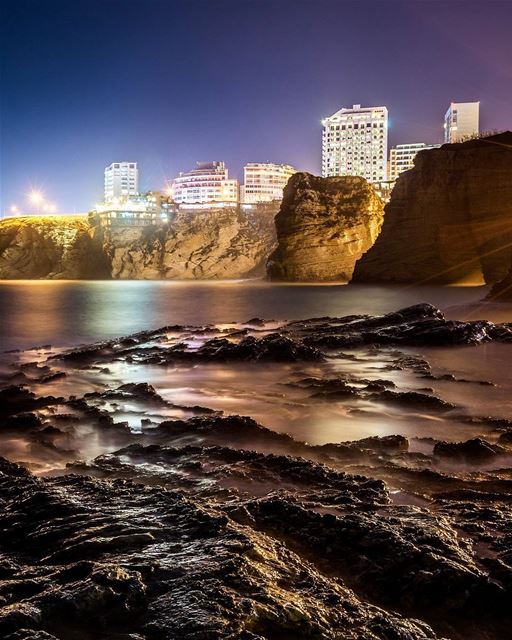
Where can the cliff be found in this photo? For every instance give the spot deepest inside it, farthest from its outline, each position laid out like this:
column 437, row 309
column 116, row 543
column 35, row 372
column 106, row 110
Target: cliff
column 449, row 220
column 213, row 244
column 323, row 227
column 56, row 247
column 223, row 243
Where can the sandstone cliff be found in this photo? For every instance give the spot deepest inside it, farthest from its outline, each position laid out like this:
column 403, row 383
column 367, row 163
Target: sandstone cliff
column 449, row 220
column 323, row 227
column 63, row 247
column 223, row 243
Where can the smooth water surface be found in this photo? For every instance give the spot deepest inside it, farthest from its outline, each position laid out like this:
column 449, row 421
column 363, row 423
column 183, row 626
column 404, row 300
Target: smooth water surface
column 63, row 313
column 57, row 313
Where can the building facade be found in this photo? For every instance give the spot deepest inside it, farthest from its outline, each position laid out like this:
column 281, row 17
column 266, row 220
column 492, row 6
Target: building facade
column 152, row 208
column 461, row 121
column 208, row 185
column 401, row 157
column 264, row 182
column 121, row 180
column 355, row 143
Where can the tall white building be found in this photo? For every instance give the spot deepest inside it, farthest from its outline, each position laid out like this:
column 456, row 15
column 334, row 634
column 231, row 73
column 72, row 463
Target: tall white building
column 265, row 181
column 461, row 121
column 355, row 143
column 401, row 157
column 207, row 185
column 121, row 180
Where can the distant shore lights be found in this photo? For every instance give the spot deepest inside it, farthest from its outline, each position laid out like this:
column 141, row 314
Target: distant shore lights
column 36, row 199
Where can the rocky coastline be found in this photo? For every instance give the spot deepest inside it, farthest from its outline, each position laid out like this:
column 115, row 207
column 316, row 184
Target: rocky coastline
column 448, row 222
column 187, row 521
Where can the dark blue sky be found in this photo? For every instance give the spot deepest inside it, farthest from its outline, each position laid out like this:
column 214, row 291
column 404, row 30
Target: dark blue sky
column 166, row 83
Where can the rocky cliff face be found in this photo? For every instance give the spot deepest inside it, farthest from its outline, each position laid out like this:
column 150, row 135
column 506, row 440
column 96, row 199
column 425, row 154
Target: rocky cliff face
column 449, row 220
column 196, row 245
column 215, row 244
column 63, row 247
column 323, row 227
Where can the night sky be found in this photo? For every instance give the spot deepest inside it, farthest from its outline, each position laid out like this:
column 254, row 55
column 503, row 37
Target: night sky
column 168, row 83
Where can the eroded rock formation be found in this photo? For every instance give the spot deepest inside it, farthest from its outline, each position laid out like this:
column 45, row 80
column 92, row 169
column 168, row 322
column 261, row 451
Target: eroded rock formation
column 323, row 227
column 449, row 219
column 224, row 243
column 216, row 244
column 63, row 247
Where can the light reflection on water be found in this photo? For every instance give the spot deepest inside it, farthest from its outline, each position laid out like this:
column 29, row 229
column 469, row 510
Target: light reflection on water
column 66, row 313
column 72, row 312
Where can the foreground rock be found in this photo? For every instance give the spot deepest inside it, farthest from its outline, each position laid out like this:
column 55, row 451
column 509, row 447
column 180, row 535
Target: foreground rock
column 85, row 558
column 155, row 518
column 449, row 219
column 59, row 247
column 323, row 227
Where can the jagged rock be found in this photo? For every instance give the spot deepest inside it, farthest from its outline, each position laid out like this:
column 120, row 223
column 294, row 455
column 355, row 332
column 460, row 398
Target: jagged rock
column 324, row 226
column 449, row 219
column 16, row 399
column 403, row 555
column 475, row 450
column 214, row 244
column 383, row 443
column 274, row 347
column 420, row 324
column 56, row 247
column 116, row 559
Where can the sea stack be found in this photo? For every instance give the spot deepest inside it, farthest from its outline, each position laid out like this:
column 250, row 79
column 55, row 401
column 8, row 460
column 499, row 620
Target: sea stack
column 323, row 227
column 449, row 220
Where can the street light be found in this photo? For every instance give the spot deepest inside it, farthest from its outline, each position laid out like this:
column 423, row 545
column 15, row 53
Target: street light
column 36, row 198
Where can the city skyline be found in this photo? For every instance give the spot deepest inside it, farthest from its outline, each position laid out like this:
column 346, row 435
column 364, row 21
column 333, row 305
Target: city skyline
column 96, row 105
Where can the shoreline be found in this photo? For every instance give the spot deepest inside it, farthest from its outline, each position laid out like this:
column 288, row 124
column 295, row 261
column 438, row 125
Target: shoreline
column 193, row 434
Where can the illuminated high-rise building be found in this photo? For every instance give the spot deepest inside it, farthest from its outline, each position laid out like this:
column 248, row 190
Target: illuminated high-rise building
column 121, row 180
column 265, row 181
column 401, row 157
column 461, row 121
column 206, row 185
column 355, row 143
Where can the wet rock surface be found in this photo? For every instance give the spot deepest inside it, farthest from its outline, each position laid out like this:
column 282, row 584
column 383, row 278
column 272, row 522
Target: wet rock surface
column 304, row 340
column 129, row 511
